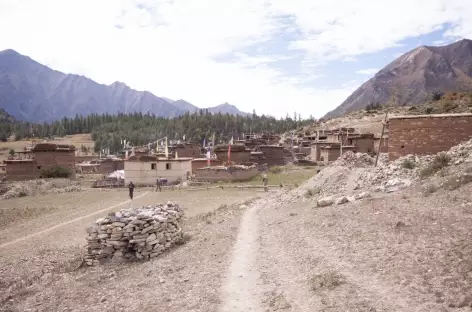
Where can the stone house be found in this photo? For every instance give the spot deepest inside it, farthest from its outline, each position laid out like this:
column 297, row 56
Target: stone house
column 42, row 156
column 144, row 170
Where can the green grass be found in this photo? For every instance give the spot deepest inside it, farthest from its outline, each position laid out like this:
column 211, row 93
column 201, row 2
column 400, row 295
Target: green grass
column 285, row 176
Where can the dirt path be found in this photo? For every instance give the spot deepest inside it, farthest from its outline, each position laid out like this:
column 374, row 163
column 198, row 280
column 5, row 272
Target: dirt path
column 240, row 292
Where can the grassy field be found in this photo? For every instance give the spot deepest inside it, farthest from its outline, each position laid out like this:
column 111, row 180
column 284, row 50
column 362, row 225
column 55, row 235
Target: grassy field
column 286, row 175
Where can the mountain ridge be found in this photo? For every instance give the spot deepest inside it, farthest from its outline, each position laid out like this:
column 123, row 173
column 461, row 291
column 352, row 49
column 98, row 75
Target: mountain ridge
column 414, row 76
column 34, row 92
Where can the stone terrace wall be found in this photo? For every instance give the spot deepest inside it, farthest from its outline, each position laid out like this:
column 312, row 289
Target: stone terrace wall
column 214, row 174
column 427, row 134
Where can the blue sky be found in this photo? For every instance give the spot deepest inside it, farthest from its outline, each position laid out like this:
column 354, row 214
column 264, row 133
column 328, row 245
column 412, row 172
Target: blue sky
column 275, row 56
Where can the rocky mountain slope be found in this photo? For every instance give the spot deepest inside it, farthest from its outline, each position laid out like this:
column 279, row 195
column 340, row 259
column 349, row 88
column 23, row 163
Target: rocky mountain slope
column 34, row 92
column 414, row 76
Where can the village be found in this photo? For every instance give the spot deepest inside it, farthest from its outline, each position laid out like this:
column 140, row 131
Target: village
column 329, row 182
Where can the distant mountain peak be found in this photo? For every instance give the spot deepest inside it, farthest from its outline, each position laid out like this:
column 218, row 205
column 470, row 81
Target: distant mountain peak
column 34, row 92
column 413, row 76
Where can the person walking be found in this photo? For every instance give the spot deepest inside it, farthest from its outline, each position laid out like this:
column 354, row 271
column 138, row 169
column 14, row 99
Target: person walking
column 265, row 181
column 131, row 189
column 158, row 184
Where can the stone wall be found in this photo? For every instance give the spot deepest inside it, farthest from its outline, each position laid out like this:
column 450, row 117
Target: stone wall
column 236, row 156
column 202, row 163
column 215, row 174
column 427, row 134
column 21, row 170
column 135, row 233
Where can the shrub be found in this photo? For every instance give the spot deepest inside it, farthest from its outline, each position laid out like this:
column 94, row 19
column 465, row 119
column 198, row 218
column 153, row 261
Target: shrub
column 327, row 281
column 408, row 164
column 448, row 106
column 11, row 152
column 55, row 172
column 373, row 106
column 455, row 182
column 440, row 161
column 276, row 169
column 429, row 110
column 312, row 192
column 430, row 189
column 436, row 96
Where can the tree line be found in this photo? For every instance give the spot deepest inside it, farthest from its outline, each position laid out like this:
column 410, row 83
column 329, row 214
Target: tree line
column 108, row 131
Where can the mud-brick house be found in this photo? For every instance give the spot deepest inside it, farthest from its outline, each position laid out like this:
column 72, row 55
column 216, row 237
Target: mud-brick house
column 186, row 150
column 381, row 144
column 144, row 170
column 275, row 155
column 363, row 142
column 110, row 165
column 198, row 163
column 427, row 134
column 238, row 154
column 44, row 156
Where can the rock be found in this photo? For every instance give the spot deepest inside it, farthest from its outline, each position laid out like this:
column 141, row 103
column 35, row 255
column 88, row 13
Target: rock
column 361, row 196
column 327, row 201
column 341, row 200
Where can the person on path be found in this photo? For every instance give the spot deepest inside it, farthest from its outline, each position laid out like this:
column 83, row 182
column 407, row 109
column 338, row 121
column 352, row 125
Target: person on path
column 131, row 189
column 265, row 181
column 158, row 184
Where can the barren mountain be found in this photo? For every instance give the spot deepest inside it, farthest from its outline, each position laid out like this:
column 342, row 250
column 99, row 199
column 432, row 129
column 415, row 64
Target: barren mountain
column 34, row 92
column 414, row 76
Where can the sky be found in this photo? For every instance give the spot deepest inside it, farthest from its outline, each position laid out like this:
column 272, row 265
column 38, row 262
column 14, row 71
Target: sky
column 276, row 57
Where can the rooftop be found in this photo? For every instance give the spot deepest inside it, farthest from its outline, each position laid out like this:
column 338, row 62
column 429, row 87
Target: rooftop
column 431, row 116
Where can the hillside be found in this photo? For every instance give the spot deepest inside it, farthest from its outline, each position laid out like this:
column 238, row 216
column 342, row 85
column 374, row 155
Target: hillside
column 31, row 91
column 413, row 77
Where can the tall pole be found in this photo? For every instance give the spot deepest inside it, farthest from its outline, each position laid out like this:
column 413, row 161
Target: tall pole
column 381, row 137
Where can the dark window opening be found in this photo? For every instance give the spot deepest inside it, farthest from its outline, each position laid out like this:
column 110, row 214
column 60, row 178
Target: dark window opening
column 39, row 167
column 153, row 166
column 403, row 146
column 168, row 166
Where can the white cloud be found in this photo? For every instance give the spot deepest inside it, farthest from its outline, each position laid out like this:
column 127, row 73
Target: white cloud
column 169, row 47
column 368, row 71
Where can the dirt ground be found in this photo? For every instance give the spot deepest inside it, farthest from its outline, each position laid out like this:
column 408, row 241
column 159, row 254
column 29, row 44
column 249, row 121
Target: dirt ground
column 39, row 250
column 403, row 251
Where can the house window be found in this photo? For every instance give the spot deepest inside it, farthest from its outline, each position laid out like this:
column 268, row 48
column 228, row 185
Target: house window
column 168, row 166
column 153, row 166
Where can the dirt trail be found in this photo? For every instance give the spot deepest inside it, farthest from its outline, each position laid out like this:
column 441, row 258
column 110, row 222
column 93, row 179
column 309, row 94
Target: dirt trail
column 240, row 292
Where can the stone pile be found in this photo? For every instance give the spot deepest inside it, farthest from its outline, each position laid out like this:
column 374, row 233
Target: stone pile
column 397, row 174
column 350, row 159
column 135, row 233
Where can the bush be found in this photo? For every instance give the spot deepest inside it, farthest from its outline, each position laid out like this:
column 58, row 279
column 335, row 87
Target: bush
column 312, row 192
column 455, row 182
column 448, row 106
column 55, row 172
column 327, row 281
column 408, row 164
column 373, row 106
column 276, row 169
column 430, row 189
column 440, row 161
column 429, row 110
column 436, row 96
